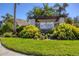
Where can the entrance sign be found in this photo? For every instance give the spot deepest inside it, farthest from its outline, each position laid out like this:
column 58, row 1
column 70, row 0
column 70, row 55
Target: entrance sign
column 46, row 25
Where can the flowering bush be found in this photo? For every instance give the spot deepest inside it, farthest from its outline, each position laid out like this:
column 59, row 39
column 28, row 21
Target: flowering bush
column 65, row 31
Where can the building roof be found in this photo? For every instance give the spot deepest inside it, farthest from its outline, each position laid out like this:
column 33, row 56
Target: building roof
column 21, row 22
column 43, row 17
column 47, row 17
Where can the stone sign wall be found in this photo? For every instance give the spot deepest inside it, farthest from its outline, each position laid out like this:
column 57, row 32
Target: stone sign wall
column 46, row 25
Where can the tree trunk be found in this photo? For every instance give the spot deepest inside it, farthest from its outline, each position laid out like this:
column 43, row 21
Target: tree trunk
column 14, row 17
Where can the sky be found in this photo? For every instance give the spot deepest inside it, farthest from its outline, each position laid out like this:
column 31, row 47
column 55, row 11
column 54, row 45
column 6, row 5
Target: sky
column 22, row 9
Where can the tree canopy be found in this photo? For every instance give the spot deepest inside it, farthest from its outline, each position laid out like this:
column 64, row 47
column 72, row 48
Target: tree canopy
column 46, row 10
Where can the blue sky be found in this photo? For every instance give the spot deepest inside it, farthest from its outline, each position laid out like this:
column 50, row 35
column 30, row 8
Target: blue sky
column 22, row 9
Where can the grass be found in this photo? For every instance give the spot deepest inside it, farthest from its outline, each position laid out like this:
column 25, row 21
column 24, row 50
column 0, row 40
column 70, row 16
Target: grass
column 43, row 47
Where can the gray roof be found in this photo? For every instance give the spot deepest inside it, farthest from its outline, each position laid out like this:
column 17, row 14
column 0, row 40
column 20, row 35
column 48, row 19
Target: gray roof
column 21, row 22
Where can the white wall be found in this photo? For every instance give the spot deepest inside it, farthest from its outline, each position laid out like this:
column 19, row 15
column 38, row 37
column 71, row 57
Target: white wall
column 46, row 25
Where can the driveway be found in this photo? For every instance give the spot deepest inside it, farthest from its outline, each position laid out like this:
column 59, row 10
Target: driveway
column 6, row 52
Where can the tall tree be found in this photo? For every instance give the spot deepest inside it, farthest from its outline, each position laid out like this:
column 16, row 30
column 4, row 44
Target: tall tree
column 35, row 12
column 47, row 11
column 7, row 17
column 61, row 8
column 7, row 25
column 57, row 7
column 14, row 17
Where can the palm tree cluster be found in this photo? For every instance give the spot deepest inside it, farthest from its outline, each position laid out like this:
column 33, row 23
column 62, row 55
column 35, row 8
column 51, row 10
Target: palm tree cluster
column 7, row 17
column 7, row 24
column 46, row 10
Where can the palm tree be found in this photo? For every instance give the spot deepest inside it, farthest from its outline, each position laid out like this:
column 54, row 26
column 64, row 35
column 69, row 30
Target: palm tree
column 57, row 7
column 61, row 8
column 14, row 17
column 65, row 5
column 7, row 22
column 47, row 11
column 35, row 13
column 7, row 17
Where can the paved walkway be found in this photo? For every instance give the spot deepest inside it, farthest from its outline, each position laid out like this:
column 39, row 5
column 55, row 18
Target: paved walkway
column 6, row 52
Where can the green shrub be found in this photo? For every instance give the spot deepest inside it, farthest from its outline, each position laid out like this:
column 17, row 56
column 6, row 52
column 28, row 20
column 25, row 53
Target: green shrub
column 7, row 27
column 76, row 32
column 1, row 32
column 41, row 36
column 7, row 34
column 65, row 31
column 19, row 29
column 37, row 35
column 29, row 32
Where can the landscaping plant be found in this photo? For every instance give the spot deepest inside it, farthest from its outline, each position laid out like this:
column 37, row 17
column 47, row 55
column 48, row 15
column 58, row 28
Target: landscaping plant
column 65, row 32
column 8, row 34
column 29, row 31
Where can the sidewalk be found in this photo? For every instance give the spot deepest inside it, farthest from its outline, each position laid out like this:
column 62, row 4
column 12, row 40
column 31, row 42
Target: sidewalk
column 6, row 52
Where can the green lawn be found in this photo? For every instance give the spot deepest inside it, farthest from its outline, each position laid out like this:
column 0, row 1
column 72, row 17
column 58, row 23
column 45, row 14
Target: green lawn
column 43, row 47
